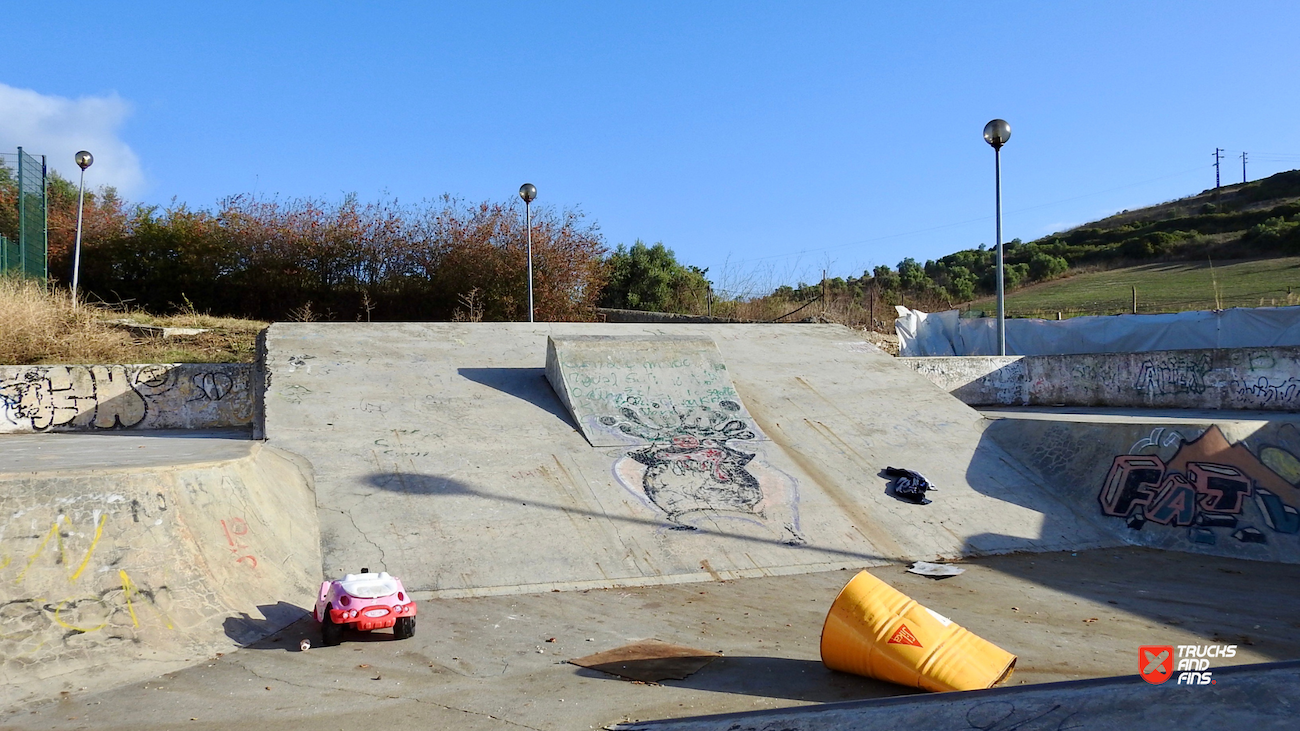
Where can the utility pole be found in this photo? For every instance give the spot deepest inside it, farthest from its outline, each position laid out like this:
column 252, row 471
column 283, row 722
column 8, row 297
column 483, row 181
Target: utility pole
column 1243, row 167
column 1217, row 155
column 823, row 293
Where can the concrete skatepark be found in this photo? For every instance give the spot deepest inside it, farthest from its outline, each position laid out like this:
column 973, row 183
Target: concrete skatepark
column 553, row 490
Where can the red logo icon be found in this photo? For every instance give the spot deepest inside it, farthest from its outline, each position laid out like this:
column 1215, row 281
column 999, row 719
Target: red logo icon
column 1156, row 663
column 904, row 636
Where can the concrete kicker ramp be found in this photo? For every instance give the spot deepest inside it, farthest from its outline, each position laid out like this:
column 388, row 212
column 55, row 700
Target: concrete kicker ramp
column 109, row 575
column 443, row 455
column 641, row 390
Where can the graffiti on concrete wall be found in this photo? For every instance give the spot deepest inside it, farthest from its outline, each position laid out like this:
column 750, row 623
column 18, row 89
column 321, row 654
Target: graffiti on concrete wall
column 235, row 530
column 88, row 397
column 98, row 396
column 1209, row 487
column 70, row 596
column 1268, row 391
column 1167, row 375
column 698, row 466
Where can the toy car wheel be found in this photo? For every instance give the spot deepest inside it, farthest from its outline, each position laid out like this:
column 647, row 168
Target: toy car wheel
column 331, row 634
column 404, row 627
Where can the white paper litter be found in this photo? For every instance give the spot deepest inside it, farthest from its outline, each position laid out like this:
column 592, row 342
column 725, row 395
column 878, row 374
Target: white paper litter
column 935, row 569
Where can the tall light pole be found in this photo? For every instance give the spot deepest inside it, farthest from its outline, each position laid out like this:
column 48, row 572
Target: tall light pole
column 84, row 160
column 528, row 192
column 996, row 133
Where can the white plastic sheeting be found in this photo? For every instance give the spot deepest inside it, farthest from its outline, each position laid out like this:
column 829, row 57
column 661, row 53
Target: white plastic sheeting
column 944, row 333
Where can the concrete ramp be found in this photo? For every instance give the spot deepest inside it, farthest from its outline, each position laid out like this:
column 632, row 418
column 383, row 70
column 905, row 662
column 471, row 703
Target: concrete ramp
column 641, row 390
column 1224, row 485
column 114, row 574
column 443, row 455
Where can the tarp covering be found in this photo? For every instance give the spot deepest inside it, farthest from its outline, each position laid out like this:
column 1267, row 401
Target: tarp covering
column 944, row 333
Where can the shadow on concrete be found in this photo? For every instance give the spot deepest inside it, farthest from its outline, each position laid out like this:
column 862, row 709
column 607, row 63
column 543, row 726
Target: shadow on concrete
column 288, row 638
column 1066, row 524
column 414, row 483
column 1222, row 600
column 250, row 631
column 1057, row 469
column 528, row 384
column 776, row 677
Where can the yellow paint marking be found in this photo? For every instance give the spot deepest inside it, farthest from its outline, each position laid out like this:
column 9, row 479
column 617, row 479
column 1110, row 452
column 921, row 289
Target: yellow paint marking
column 8, row 559
column 127, row 587
column 59, row 608
column 39, row 549
column 99, row 531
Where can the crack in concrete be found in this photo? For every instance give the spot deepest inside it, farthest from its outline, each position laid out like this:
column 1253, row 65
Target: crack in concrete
column 383, row 556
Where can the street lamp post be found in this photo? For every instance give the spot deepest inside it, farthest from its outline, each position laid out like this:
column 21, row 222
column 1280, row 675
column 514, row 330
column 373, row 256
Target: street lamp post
column 996, row 133
column 528, row 192
column 84, row 160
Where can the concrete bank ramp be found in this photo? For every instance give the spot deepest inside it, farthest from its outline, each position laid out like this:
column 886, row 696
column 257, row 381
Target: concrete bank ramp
column 443, row 455
column 1225, row 485
column 116, row 567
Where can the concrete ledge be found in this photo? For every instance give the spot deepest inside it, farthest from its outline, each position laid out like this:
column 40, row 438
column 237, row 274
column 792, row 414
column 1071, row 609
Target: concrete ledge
column 155, row 331
column 614, row 315
column 152, row 396
column 1256, row 379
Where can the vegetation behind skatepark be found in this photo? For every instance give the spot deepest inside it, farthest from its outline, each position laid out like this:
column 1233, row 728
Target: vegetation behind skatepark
column 306, row 259
column 42, row 326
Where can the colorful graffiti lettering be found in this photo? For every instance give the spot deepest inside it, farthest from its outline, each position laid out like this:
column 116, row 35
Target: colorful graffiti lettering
column 1207, row 483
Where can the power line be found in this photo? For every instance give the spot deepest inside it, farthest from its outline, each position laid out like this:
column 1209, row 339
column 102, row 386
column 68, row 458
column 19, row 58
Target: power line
column 1270, row 154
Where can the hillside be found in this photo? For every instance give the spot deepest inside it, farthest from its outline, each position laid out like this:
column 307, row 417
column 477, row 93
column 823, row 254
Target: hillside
column 1161, row 287
column 1165, row 250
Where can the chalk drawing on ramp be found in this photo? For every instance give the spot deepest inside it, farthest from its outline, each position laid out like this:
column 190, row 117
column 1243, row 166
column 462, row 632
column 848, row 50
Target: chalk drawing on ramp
column 704, row 464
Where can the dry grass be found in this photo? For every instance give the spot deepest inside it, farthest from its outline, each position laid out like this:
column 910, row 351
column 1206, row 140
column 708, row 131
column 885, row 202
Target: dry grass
column 43, row 327
column 1172, row 286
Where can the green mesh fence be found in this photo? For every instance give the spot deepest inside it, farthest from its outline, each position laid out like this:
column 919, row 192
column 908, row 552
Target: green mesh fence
column 33, row 245
column 24, row 215
column 10, row 255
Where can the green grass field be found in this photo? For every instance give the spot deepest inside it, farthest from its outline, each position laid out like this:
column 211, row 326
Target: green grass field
column 1163, row 287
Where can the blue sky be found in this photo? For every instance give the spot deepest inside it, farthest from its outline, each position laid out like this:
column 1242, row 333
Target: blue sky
column 762, row 140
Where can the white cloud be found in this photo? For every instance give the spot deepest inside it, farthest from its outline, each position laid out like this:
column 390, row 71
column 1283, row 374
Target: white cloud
column 58, row 127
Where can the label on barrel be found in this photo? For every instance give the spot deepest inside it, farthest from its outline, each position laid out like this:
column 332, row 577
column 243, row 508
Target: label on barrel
column 904, row 636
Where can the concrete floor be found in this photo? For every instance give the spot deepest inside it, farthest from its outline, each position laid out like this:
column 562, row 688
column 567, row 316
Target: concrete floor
column 489, row 662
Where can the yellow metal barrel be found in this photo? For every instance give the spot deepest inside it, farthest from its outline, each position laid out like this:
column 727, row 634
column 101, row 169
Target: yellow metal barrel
column 874, row 630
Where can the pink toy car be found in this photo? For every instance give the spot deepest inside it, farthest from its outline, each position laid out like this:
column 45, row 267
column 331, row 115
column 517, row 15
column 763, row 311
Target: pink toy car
column 364, row 601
